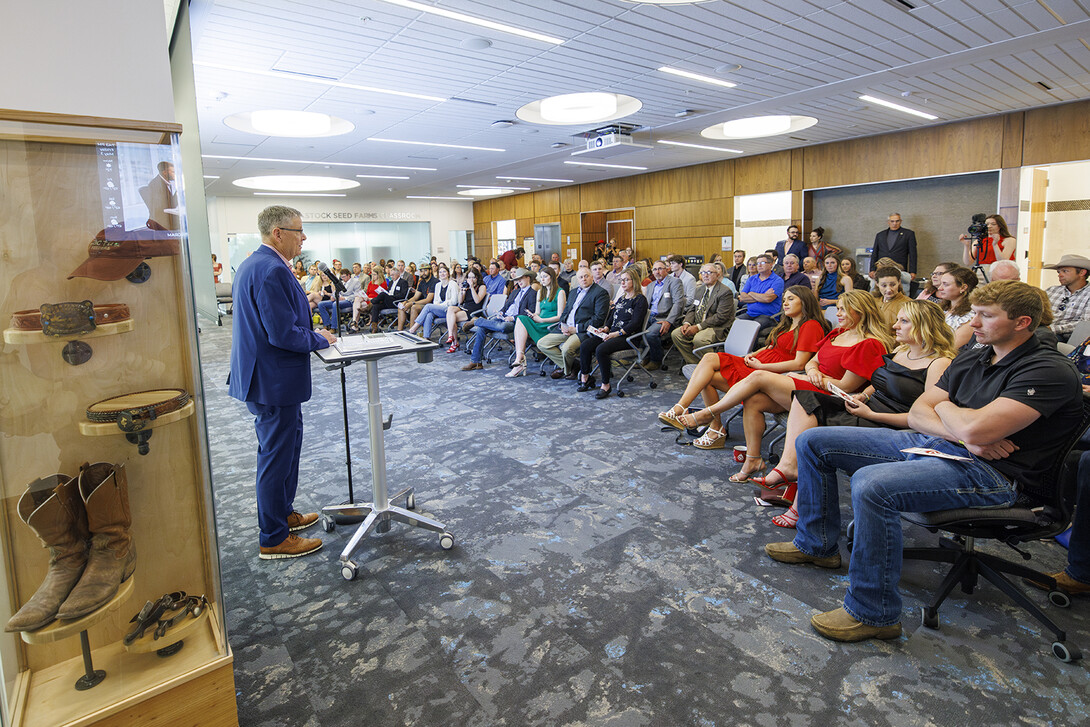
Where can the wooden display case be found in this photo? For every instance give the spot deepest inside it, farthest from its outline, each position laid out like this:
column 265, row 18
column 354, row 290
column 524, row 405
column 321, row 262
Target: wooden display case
column 62, row 180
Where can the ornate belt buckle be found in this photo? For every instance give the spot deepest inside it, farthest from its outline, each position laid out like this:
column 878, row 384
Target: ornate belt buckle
column 67, row 319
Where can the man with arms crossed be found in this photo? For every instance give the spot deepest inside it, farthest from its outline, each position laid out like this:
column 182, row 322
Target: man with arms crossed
column 1009, row 406
column 270, row 371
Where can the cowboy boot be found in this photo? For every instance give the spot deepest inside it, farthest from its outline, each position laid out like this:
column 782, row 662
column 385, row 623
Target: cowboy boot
column 112, row 558
column 55, row 513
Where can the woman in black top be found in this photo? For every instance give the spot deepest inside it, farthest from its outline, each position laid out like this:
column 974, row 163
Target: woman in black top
column 926, row 349
column 629, row 314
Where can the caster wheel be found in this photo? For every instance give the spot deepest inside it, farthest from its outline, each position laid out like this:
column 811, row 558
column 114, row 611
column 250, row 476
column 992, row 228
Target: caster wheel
column 654, row 385
column 446, row 541
column 629, row 378
column 1066, row 652
column 773, row 459
column 349, row 570
column 328, row 524
column 620, row 394
column 1059, row 598
column 410, row 501
column 541, row 374
column 930, row 619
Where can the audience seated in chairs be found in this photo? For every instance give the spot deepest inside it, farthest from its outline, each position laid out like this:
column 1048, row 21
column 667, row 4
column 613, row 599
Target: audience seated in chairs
column 312, row 286
column 587, row 306
column 845, row 358
column 444, row 295
column 423, row 295
column 551, row 299
column 709, row 316
column 1007, row 410
column 472, row 296
column 924, row 351
column 930, row 291
column 362, row 304
column 666, row 300
column 953, row 294
column 386, row 300
column 626, row 319
column 832, row 282
column 352, row 291
column 597, row 269
column 790, row 346
column 521, row 300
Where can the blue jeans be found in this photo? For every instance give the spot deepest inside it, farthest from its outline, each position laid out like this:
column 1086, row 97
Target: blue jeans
column 428, row 315
column 325, row 311
column 654, row 340
column 1078, row 550
column 481, row 329
column 884, row 483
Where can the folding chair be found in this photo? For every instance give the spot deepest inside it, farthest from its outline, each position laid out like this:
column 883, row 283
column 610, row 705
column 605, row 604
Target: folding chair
column 740, row 340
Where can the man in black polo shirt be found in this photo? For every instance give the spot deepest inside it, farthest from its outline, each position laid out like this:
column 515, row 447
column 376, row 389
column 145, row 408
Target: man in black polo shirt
column 1004, row 411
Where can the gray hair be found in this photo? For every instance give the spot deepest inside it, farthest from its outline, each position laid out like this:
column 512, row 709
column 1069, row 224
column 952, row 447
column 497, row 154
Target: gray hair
column 275, row 216
column 792, row 256
column 1011, row 268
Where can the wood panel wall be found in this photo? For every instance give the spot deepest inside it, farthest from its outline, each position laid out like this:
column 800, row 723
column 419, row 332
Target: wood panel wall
column 687, row 210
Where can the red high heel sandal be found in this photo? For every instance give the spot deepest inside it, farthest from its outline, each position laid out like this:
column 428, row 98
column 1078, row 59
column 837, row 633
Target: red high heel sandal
column 782, row 494
column 788, row 519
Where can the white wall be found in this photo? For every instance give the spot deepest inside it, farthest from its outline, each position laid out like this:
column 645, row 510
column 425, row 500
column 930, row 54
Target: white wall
column 106, row 58
column 238, row 215
column 1066, row 219
column 761, row 221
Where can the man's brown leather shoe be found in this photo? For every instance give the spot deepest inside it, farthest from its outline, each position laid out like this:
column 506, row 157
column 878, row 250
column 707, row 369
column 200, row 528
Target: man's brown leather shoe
column 1064, row 582
column 558, row 374
column 788, row 553
column 298, row 521
column 652, row 366
column 839, row 625
column 472, row 367
column 291, row 547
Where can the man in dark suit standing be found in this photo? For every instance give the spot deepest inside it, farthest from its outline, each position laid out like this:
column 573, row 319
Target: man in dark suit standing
column 710, row 316
column 587, row 306
column 897, row 243
column 270, row 371
column 793, row 245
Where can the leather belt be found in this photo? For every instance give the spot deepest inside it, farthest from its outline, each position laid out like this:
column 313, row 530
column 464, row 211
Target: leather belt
column 132, row 412
column 66, row 319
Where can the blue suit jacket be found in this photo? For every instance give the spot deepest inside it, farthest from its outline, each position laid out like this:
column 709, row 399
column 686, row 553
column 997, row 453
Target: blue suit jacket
column 272, row 337
column 798, row 248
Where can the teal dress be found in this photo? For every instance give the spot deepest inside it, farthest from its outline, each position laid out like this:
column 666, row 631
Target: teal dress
column 535, row 329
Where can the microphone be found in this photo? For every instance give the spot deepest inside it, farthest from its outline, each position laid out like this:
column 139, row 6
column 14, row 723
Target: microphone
column 335, row 279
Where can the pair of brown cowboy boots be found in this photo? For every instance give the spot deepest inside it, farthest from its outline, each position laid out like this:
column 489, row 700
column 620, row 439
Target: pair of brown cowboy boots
column 85, row 522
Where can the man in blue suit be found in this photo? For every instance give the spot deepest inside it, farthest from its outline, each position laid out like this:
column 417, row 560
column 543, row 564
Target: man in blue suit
column 270, row 370
column 791, row 246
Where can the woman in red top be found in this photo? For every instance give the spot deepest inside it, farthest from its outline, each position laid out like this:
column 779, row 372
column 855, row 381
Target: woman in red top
column 793, row 342
column 998, row 245
column 846, row 358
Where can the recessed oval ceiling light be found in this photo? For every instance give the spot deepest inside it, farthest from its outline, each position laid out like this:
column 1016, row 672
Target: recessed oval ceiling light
column 757, row 126
column 476, row 43
column 295, row 183
column 273, row 122
column 579, row 108
column 485, row 192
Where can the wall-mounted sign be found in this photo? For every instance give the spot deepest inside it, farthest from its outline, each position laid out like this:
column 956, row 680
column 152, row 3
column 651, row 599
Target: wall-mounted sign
column 728, row 243
column 360, row 216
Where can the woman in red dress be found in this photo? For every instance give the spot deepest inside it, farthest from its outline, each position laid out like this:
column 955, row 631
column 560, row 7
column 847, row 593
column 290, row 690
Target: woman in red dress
column 845, row 358
column 793, row 342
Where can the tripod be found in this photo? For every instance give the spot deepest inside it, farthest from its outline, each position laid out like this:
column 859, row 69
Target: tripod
column 978, row 255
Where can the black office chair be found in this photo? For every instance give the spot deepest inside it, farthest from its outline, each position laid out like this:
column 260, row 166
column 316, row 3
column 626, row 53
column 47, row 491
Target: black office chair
column 1041, row 512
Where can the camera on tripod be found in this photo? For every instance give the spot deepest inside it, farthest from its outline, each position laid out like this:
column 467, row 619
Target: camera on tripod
column 977, row 230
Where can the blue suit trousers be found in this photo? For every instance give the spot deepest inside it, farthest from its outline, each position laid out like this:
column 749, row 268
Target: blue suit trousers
column 279, row 443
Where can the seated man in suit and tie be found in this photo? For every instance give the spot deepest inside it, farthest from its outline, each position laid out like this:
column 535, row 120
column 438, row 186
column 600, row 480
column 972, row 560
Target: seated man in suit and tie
column 711, row 314
column 666, row 300
column 587, row 306
column 521, row 302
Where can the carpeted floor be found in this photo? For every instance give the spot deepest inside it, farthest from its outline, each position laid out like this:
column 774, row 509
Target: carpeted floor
column 602, row 575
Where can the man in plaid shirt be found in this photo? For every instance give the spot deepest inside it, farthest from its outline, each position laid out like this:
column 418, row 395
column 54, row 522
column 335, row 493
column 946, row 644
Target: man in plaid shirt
column 1071, row 298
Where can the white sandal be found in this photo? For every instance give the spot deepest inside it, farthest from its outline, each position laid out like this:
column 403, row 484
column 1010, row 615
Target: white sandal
column 712, row 438
column 670, row 418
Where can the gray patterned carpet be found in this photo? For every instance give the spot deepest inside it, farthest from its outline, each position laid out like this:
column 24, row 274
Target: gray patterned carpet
column 603, row 575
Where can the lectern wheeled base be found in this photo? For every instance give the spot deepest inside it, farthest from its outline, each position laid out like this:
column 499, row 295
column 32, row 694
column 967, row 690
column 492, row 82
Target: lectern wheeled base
column 379, row 519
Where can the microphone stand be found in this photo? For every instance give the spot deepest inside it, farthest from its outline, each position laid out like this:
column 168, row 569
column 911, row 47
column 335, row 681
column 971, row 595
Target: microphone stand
column 347, row 518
